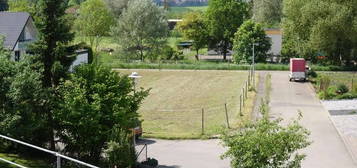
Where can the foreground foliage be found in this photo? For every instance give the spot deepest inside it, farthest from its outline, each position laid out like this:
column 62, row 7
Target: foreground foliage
column 266, row 143
column 98, row 110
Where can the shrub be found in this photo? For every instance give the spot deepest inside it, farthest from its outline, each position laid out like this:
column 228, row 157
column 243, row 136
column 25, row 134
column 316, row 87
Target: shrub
column 329, row 93
column 342, row 89
column 150, row 162
column 312, row 74
column 347, row 96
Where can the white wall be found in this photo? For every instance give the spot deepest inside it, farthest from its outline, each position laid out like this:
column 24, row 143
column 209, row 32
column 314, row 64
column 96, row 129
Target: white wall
column 82, row 58
column 276, row 44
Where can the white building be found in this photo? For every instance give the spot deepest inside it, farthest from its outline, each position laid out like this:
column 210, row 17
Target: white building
column 18, row 30
column 276, row 37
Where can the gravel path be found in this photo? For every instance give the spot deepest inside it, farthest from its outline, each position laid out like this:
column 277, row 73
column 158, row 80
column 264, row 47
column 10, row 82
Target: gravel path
column 340, row 104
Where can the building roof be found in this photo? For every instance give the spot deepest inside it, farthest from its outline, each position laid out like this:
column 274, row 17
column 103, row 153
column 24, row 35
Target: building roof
column 11, row 26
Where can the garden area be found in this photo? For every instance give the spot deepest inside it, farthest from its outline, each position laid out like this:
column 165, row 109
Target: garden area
column 173, row 109
column 336, row 85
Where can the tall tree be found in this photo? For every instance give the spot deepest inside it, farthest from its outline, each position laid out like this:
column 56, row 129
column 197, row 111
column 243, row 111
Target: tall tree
column 250, row 34
column 141, row 28
column 224, row 18
column 326, row 27
column 94, row 22
column 193, row 27
column 51, row 51
column 268, row 12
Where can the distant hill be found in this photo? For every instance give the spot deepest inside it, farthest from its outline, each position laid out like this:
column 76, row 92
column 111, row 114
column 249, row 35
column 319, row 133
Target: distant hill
column 184, row 2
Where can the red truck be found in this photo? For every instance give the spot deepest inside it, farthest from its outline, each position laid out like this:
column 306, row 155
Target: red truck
column 298, row 69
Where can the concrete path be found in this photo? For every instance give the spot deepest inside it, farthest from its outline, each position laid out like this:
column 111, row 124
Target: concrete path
column 186, row 153
column 287, row 99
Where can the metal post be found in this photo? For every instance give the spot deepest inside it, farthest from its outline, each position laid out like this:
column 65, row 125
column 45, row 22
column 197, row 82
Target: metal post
column 203, row 126
column 225, row 106
column 58, row 161
column 246, row 90
column 352, row 85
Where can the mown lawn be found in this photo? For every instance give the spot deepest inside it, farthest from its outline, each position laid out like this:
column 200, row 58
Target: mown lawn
column 174, row 107
column 179, row 12
column 27, row 162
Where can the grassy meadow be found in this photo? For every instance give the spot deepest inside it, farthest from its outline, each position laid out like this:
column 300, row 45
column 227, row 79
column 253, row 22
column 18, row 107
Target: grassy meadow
column 174, row 107
column 179, row 12
column 22, row 161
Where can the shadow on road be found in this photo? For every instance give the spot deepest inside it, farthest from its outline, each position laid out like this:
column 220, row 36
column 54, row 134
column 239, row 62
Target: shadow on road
column 145, row 141
column 164, row 166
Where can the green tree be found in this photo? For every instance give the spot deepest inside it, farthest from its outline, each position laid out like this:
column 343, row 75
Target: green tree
column 266, row 143
column 22, row 6
column 324, row 27
column 248, row 34
column 141, row 29
column 224, row 18
column 117, row 6
column 50, row 50
column 94, row 22
column 193, row 27
column 268, row 12
column 98, row 106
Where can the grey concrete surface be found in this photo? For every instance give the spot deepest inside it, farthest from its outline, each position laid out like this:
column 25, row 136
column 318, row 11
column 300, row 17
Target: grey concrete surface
column 287, row 99
column 186, row 153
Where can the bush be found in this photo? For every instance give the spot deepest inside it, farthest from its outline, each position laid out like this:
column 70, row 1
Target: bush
column 151, row 162
column 347, row 96
column 312, row 74
column 342, row 89
column 329, row 93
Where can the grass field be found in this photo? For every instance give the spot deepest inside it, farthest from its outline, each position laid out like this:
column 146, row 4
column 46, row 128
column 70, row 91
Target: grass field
column 179, row 12
column 20, row 160
column 174, row 107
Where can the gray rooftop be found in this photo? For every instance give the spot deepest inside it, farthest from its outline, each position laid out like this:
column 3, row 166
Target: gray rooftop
column 11, row 26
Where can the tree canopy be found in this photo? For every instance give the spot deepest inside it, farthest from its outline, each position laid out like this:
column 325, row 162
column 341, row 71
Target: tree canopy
column 94, row 22
column 248, row 34
column 324, row 28
column 268, row 12
column 140, row 30
column 224, row 17
column 193, row 27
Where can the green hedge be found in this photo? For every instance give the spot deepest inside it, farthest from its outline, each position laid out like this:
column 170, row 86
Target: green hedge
column 204, row 65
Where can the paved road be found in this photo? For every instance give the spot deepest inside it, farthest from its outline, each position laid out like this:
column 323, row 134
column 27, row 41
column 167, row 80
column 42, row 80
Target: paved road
column 287, row 98
column 186, row 153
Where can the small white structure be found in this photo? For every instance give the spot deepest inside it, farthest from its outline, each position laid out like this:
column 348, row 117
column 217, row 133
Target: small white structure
column 82, row 58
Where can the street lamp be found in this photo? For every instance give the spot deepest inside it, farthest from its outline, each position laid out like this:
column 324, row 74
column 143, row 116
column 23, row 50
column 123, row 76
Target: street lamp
column 253, row 62
column 135, row 76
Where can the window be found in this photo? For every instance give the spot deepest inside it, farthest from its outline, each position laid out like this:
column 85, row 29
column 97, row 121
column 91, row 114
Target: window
column 17, row 55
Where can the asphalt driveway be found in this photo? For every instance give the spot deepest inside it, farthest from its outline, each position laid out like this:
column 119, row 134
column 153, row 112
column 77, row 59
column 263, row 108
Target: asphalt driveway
column 287, row 99
column 186, row 153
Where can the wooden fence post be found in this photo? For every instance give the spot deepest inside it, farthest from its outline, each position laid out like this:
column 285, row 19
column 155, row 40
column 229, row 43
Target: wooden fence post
column 225, row 106
column 240, row 105
column 203, row 126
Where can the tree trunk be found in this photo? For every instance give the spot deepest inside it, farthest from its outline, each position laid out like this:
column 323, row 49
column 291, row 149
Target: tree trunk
column 197, row 55
column 225, row 47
